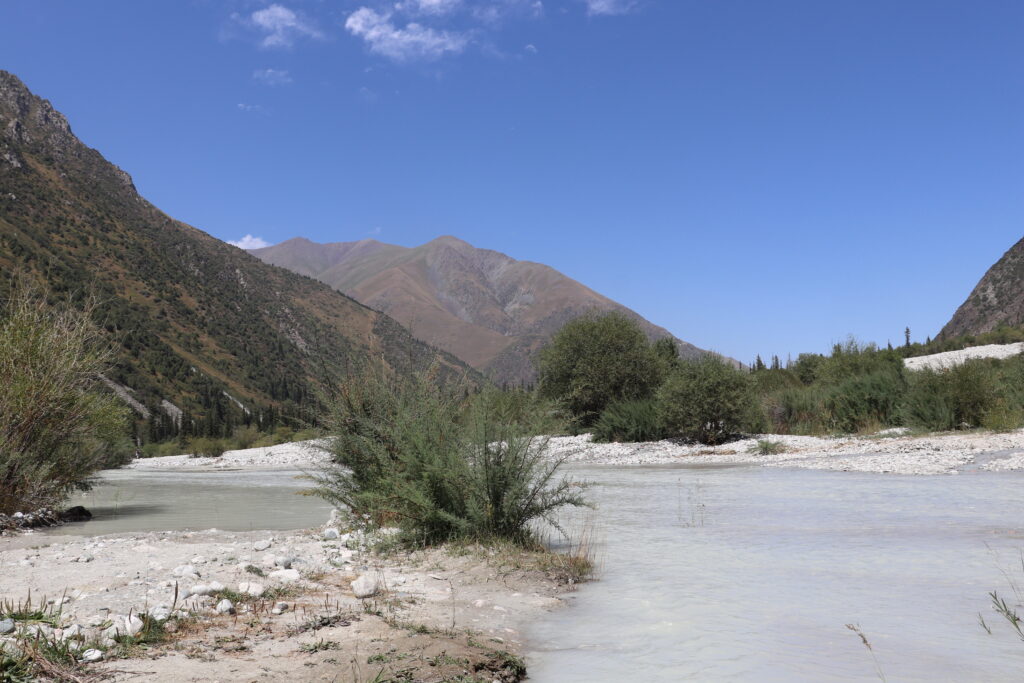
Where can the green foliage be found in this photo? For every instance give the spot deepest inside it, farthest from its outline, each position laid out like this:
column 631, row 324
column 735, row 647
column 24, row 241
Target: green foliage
column 629, row 421
column 959, row 397
column 768, row 447
column 706, row 400
column 206, row 448
column 797, row 411
column 867, row 401
column 595, row 360
column 417, row 454
column 57, row 426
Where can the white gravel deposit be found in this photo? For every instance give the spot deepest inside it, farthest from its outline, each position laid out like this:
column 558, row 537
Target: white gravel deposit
column 297, row 455
column 891, row 452
column 947, row 359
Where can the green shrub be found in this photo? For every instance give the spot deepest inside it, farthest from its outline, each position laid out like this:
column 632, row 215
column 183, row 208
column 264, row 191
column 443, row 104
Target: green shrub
column 706, row 400
column 863, row 402
column 595, row 360
column 767, row 447
column 245, row 437
column 958, row 397
column 57, row 425
column 202, row 447
column 418, row 455
column 630, row 421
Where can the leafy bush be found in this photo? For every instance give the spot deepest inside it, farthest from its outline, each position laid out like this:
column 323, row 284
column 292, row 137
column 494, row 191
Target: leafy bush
column 797, row 411
column 869, row 401
column 957, row 397
column 203, row 447
column 57, row 426
column 595, row 360
column 420, row 456
column 706, row 400
column 630, row 421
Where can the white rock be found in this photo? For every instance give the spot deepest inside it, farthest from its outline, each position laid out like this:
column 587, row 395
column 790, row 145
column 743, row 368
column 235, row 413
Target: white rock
column 73, row 632
column 225, row 606
column 261, row 545
column 92, row 655
column 285, row 575
column 6, row 626
column 283, row 562
column 185, row 570
column 253, row 589
column 215, row 586
column 198, row 589
column 198, row 559
column 160, row 613
column 366, row 586
column 133, row 625
column 331, row 534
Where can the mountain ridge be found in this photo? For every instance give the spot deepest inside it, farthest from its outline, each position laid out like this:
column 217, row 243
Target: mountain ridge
column 195, row 317
column 997, row 299
column 483, row 306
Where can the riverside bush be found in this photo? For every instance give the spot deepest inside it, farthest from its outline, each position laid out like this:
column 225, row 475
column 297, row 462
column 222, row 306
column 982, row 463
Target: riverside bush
column 706, row 400
column 57, row 426
column 595, row 360
column 870, row 401
column 417, row 454
column 630, row 421
column 958, row 397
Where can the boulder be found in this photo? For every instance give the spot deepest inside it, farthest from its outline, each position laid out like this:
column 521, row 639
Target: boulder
column 250, row 588
column 76, row 514
column 225, row 606
column 285, row 575
column 366, row 586
column 261, row 545
column 92, row 655
column 331, row 534
column 6, row 626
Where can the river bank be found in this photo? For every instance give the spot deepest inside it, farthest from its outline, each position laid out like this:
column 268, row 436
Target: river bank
column 307, row 605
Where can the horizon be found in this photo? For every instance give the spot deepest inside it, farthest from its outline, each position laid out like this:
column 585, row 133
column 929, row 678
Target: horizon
column 713, row 171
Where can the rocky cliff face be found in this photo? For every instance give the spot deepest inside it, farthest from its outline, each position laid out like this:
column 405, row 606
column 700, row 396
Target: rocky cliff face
column 998, row 299
column 491, row 310
column 196, row 318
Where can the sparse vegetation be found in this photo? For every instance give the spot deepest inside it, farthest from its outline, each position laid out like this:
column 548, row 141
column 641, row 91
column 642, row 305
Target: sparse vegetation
column 421, row 455
column 636, row 420
column 57, row 426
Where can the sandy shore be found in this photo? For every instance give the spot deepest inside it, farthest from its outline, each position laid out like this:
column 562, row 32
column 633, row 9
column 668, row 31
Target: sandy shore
column 435, row 615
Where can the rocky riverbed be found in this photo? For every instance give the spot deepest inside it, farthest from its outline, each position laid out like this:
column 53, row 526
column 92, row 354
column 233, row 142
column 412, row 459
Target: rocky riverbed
column 309, row 605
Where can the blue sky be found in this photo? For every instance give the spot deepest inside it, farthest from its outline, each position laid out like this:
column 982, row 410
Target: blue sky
column 758, row 176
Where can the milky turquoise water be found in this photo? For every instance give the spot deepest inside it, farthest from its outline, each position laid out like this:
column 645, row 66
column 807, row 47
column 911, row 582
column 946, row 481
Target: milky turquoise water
column 751, row 574
column 136, row 500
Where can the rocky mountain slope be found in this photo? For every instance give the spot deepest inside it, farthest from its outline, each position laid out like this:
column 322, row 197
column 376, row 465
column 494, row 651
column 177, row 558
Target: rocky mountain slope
column 488, row 309
column 196, row 318
column 997, row 300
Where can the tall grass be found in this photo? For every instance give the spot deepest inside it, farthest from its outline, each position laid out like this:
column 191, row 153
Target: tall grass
column 440, row 465
column 57, row 426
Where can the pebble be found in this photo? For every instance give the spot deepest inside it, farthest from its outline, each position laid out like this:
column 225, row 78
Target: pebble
column 6, row 626
column 251, row 588
column 285, row 575
column 92, row 655
column 331, row 534
column 261, row 545
column 225, row 606
column 366, row 586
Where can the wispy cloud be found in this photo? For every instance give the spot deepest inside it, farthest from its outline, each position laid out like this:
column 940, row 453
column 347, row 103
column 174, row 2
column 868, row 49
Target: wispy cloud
column 242, row 106
column 281, row 26
column 402, row 44
column 609, row 7
column 430, row 6
column 250, row 242
column 272, row 76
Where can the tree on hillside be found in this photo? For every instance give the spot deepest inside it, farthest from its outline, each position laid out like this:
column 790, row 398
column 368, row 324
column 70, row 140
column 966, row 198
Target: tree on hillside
column 57, row 425
column 597, row 359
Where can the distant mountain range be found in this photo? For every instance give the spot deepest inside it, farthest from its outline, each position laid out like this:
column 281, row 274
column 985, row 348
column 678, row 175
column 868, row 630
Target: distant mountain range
column 997, row 300
column 197, row 319
column 490, row 310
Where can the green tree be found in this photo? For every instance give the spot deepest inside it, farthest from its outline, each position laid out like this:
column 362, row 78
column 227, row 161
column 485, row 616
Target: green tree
column 707, row 400
column 597, row 359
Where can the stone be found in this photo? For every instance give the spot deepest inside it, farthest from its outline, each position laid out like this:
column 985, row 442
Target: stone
column 366, row 586
column 6, row 626
column 76, row 514
column 261, row 545
column 331, row 534
column 283, row 562
column 198, row 589
column 225, row 606
column 215, row 586
column 73, row 632
column 250, row 588
column 283, row 606
column 185, row 570
column 92, row 655
column 160, row 613
column 285, row 575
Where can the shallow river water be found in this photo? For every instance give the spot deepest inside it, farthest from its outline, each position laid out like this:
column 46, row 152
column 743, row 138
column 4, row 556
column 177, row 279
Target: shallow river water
column 139, row 500
column 751, row 574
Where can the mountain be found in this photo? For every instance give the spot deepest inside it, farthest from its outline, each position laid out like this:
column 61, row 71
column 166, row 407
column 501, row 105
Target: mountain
column 488, row 309
column 201, row 324
column 997, row 300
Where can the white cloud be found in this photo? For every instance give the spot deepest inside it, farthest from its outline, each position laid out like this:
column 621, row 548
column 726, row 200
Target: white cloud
column 531, row 48
column 250, row 242
column 414, row 41
column 282, row 26
column 434, row 6
column 272, row 76
column 249, row 107
column 609, row 7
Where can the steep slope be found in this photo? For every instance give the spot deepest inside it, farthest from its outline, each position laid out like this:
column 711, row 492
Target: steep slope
column 196, row 317
column 997, row 300
column 490, row 310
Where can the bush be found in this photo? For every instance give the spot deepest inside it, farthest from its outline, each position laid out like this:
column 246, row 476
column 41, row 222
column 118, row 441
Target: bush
column 595, row 360
column 706, row 400
column 630, row 421
column 202, row 447
column 866, row 402
column 797, row 411
column 956, row 398
column 57, row 426
column 441, row 467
